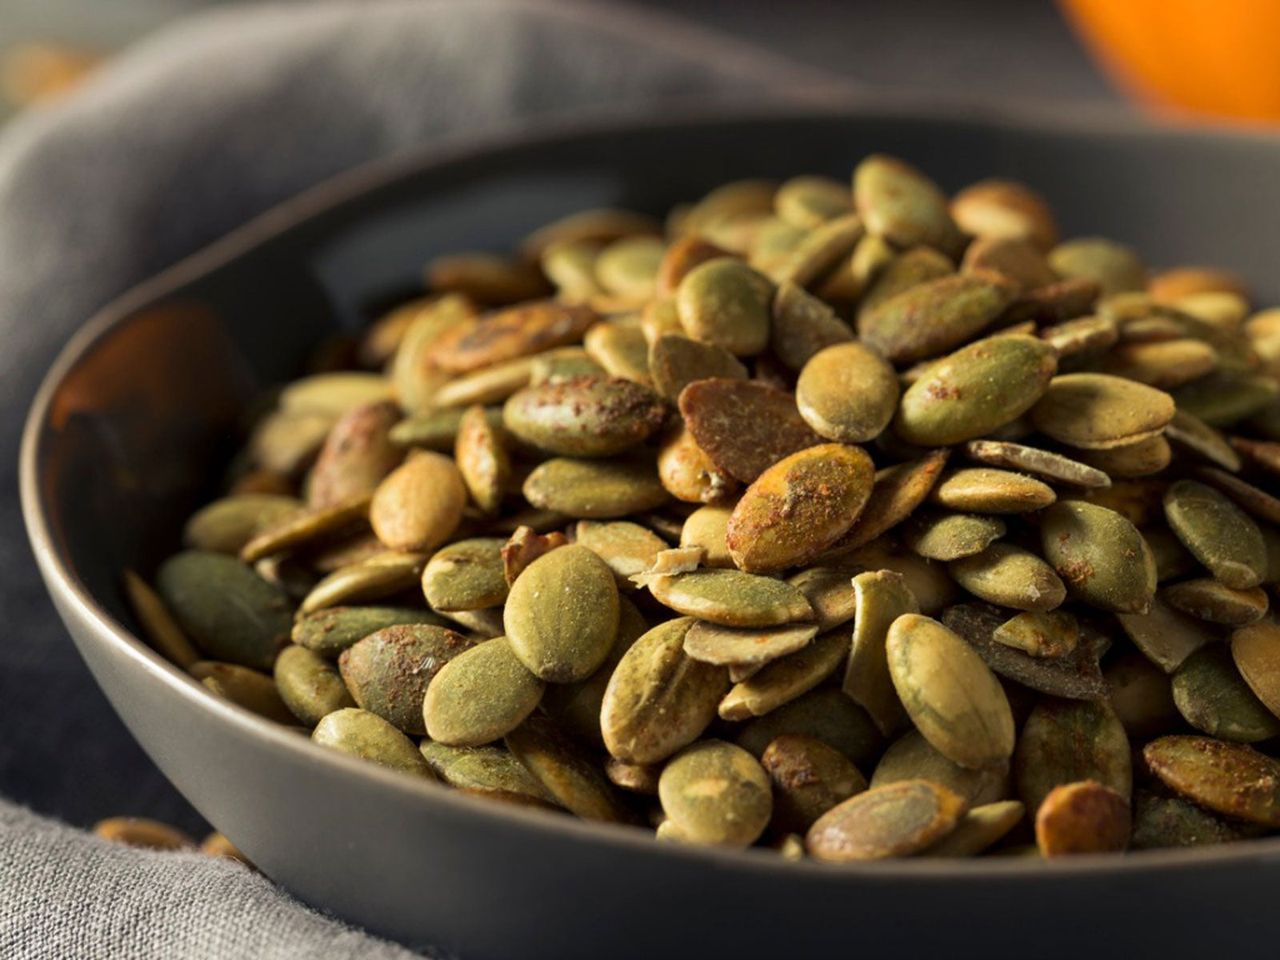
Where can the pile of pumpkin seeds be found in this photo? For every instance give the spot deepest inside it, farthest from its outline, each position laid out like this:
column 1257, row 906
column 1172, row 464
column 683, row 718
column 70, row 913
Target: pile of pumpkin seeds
column 849, row 520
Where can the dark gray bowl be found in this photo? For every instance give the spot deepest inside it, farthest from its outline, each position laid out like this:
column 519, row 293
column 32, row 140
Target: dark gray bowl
column 141, row 408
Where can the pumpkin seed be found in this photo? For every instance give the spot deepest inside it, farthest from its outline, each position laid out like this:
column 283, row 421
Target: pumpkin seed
column 481, row 694
column 895, row 820
column 1226, row 396
column 786, row 678
column 226, row 525
column 489, row 771
column 1141, row 695
column 688, row 474
column 330, row 631
column 1010, row 576
column 846, row 392
column 1251, row 499
column 227, row 611
column 987, row 490
column 1115, row 267
column 1085, row 817
column 1084, row 337
column 561, row 616
column 798, row 507
column 912, row 757
column 897, row 492
column 744, row 426
column 706, row 529
column 901, row 272
column 482, row 460
column 1142, row 458
column 368, row 736
column 1005, row 208
column 388, row 671
column 584, row 416
column 659, row 699
column 933, row 317
column 251, row 689
column 899, row 203
column 143, row 833
column 1017, row 260
column 568, row 775
column 621, row 349
column 1212, row 696
column 1165, row 636
column 830, row 592
column 716, row 793
column 1160, row 822
column 818, row 251
column 1217, row 532
column 1256, row 651
column 676, row 361
column 949, row 693
column 975, row 390
column 1210, row 600
column 158, row 623
column 1040, row 634
column 510, row 333
column 803, row 325
column 1228, row 778
column 725, row 303
column 951, row 536
column 1096, row 410
column 739, row 646
column 979, row 828
column 304, row 528
column 309, row 685
column 809, row 778
column 379, row 576
column 1064, row 741
column 465, row 575
column 825, row 714
column 810, row 201
column 732, row 598
column 1100, row 556
column 594, row 489
column 880, row 597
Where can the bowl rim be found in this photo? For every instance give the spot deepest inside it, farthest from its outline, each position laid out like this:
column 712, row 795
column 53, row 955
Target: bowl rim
column 347, row 187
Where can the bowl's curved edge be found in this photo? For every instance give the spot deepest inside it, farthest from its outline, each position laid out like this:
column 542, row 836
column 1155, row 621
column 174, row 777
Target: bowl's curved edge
column 74, row 600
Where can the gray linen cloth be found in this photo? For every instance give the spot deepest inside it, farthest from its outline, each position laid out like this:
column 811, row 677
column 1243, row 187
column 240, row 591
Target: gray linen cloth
column 186, row 136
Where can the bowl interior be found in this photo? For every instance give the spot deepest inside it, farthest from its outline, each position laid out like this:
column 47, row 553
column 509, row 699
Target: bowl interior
column 139, row 417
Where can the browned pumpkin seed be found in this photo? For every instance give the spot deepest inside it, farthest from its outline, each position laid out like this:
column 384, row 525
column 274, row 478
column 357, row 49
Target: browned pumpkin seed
column 809, row 778
column 803, row 325
column 388, row 671
column 897, row 492
column 419, row 505
column 568, row 774
column 830, row 592
column 895, row 820
column 1005, row 208
column 1207, row 599
column 356, row 455
column 933, row 317
column 518, row 331
column 847, row 392
column 1084, row 817
column 1229, row 778
column 980, row 828
column 1064, row 741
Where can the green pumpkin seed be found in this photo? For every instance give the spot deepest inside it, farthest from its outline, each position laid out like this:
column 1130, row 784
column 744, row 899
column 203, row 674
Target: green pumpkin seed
column 784, row 679
column 368, row 736
column 1040, row 634
column 847, row 392
column 309, row 685
column 895, row 820
column 330, row 631
column 901, row 272
column 742, row 646
column 880, row 597
column 1212, row 696
column 659, row 699
column 951, row 536
column 732, row 598
column 676, row 361
column 1051, row 466
column 825, row 714
column 1165, row 636
column 1075, row 675
column 716, row 793
column 486, row 771
column 635, row 777
column 809, row 778
column 628, row 266
column 561, row 616
column 933, row 317
column 1217, row 532
column 334, row 394
column 306, row 527
column 1195, row 436
column 466, row 575
column 1095, row 410
column 433, row 430
column 1010, row 576
column 251, row 689
column 596, row 226
column 1017, row 260
column 1142, row 458
column 388, row 671
column 595, row 489
column 979, row 828
column 1256, row 651
column 1085, row 817
column 897, row 492
column 1162, row 822
column 381, row 575
column 226, row 610
column 584, row 416
column 802, row 326
column 1115, row 267
column 621, row 349
column 1165, row 364
column 226, row 525
column 568, row 775
column 1082, row 338
column 798, row 507
column 902, row 205
column 627, row 548
column 818, row 251
column 1251, row 499
column 725, row 303
column 949, row 693
column 1224, row 397
column 829, row 592
column 1228, row 778
column 928, row 582
column 811, row 201
column 986, row 490
column 1100, row 555
column 480, row 695
column 912, row 757
column 1064, row 741
column 975, row 390
column 1214, row 602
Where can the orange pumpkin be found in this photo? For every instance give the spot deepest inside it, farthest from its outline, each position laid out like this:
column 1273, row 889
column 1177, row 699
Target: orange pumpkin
column 1218, row 58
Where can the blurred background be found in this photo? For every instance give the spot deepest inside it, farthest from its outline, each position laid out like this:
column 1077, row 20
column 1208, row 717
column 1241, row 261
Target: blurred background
column 1193, row 58
column 999, row 48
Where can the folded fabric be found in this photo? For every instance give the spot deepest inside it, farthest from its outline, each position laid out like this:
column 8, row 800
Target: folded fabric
column 191, row 133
